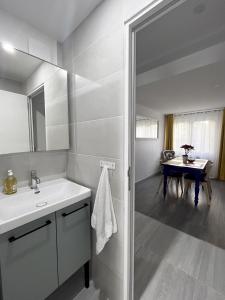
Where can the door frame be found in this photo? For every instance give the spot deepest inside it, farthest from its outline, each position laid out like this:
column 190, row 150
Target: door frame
column 153, row 11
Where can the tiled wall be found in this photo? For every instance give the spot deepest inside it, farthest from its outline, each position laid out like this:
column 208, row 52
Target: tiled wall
column 94, row 54
column 25, row 37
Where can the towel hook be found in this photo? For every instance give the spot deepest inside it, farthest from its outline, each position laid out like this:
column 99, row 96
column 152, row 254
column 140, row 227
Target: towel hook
column 109, row 164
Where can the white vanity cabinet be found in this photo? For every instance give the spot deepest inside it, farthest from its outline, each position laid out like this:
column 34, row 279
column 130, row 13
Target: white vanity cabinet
column 39, row 256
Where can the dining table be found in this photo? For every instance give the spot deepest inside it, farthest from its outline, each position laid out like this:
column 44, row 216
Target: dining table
column 195, row 168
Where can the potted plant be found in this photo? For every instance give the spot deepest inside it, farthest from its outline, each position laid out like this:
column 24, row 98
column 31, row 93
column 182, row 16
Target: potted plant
column 187, row 149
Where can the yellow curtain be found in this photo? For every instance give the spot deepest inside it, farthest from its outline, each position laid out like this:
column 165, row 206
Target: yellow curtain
column 221, row 173
column 168, row 135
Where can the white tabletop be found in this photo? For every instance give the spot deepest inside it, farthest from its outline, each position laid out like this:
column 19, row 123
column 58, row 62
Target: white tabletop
column 178, row 162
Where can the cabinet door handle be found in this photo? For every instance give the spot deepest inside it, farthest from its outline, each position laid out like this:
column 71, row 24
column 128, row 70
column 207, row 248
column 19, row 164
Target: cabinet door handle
column 13, row 238
column 71, row 212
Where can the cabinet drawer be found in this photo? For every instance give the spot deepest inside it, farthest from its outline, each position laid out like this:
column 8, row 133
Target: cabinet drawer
column 29, row 260
column 73, row 239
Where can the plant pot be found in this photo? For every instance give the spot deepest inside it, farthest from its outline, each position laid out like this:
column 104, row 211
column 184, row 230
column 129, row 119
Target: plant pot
column 185, row 159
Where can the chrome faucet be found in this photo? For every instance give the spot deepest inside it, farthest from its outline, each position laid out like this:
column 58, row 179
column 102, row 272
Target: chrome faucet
column 35, row 181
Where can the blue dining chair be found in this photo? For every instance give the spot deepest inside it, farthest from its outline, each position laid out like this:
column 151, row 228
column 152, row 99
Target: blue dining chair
column 173, row 176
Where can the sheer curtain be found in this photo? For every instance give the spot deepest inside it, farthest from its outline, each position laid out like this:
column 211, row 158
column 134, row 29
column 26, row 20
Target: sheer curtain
column 203, row 131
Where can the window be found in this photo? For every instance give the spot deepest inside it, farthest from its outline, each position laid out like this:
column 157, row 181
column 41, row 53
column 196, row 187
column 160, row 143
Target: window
column 201, row 130
column 146, row 128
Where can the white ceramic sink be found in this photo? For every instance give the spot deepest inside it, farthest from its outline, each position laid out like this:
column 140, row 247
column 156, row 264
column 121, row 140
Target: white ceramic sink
column 26, row 206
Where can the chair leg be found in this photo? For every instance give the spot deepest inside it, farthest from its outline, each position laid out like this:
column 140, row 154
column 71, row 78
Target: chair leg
column 186, row 186
column 182, row 185
column 210, row 186
column 209, row 189
column 206, row 189
column 177, row 187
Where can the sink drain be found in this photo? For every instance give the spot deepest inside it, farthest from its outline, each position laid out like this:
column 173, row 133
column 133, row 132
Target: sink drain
column 40, row 204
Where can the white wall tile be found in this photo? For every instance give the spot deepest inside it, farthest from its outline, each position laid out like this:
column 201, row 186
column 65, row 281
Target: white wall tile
column 101, row 22
column 86, row 170
column 57, row 137
column 110, row 284
column 19, row 163
column 103, row 137
column 48, row 163
column 113, row 250
column 105, row 100
column 101, row 59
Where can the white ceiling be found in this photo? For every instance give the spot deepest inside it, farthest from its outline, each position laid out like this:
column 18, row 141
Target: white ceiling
column 181, row 32
column 57, row 18
column 181, row 59
column 17, row 66
column 199, row 89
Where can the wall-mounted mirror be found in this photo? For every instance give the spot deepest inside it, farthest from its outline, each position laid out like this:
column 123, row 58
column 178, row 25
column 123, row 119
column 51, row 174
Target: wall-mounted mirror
column 33, row 103
column 146, row 127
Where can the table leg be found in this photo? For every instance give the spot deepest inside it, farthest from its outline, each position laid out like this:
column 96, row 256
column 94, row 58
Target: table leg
column 197, row 182
column 165, row 185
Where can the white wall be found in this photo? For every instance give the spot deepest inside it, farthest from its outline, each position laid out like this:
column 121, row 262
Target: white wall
column 148, row 152
column 27, row 38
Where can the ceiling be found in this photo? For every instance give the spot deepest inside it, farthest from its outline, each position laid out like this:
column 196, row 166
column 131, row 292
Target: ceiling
column 56, row 18
column 17, row 66
column 199, row 89
column 181, row 59
column 192, row 26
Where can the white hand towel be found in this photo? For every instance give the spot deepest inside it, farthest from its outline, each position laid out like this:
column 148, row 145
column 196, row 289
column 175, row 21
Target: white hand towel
column 103, row 218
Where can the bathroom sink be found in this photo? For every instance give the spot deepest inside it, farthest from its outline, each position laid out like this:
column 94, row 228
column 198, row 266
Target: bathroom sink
column 26, row 206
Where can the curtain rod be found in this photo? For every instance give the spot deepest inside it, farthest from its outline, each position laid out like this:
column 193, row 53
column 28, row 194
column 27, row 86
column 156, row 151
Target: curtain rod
column 198, row 111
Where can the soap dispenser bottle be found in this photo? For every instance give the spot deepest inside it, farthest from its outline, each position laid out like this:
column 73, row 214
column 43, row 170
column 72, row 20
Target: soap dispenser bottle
column 10, row 184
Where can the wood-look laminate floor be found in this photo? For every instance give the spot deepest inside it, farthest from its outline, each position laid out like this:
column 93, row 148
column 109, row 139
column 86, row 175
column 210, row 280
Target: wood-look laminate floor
column 172, row 265
column 203, row 222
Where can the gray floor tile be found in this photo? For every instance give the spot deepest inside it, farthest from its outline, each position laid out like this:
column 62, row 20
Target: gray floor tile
column 172, row 265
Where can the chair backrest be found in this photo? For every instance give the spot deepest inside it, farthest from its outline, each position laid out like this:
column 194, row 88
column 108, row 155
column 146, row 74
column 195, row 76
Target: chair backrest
column 167, row 155
column 208, row 168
